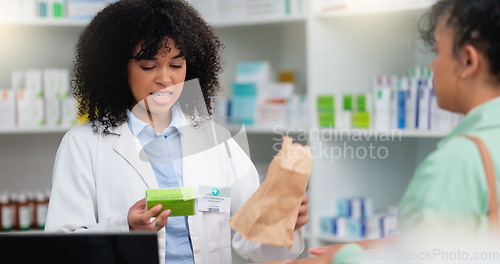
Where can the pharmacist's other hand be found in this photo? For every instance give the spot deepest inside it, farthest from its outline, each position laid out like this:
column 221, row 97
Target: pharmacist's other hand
column 303, row 215
column 139, row 219
column 326, row 249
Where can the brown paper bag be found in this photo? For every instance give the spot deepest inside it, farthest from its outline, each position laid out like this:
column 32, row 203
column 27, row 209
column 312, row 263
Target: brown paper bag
column 270, row 214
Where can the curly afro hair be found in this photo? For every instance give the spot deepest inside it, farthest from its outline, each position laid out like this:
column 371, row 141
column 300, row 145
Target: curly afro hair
column 474, row 22
column 107, row 43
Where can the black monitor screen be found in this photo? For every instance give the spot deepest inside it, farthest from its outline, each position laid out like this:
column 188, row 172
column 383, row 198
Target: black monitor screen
column 134, row 247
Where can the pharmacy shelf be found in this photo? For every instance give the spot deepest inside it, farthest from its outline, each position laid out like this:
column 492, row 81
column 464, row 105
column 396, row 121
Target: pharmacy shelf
column 378, row 133
column 38, row 130
column 257, row 21
column 66, row 22
column 57, row 22
column 336, row 240
column 23, row 232
column 267, row 129
column 372, row 11
column 361, row 133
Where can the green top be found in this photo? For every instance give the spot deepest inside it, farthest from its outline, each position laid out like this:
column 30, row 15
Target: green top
column 448, row 190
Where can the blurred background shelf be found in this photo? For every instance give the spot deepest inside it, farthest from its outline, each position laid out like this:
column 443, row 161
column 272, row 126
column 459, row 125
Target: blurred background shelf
column 257, row 21
column 40, row 22
column 44, row 130
column 336, row 240
column 392, row 8
column 393, row 134
column 66, row 22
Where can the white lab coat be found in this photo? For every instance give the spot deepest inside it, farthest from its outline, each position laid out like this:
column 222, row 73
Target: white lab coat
column 98, row 178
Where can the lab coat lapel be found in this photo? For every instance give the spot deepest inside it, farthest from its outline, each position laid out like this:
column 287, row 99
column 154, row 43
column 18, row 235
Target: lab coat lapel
column 193, row 153
column 129, row 147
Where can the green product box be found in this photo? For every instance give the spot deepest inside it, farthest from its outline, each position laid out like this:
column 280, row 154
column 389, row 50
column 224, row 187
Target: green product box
column 361, row 120
column 58, row 10
column 361, row 103
column 326, row 119
column 179, row 200
column 348, row 102
column 325, row 102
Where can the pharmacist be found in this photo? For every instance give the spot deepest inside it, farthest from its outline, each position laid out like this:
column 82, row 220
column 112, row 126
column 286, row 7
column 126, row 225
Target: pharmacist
column 140, row 67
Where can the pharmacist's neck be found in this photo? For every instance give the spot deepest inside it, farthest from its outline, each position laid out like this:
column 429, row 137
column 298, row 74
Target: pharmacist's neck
column 157, row 121
column 160, row 122
column 481, row 96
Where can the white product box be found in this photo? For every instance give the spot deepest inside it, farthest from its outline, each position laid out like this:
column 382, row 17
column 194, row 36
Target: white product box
column 10, row 9
column 340, row 226
column 232, row 10
column 52, row 112
column 268, row 8
column 51, row 83
column 84, row 9
column 297, row 111
column 68, row 112
column 271, row 106
column 411, row 104
column 30, row 109
column 373, row 227
column 382, row 103
column 296, row 7
column 208, row 9
column 33, row 82
column 220, row 106
column 271, row 114
column 389, row 225
column 64, row 85
column 56, row 83
column 424, row 94
column 276, row 92
column 7, row 109
column 253, row 72
column 28, row 8
column 18, row 80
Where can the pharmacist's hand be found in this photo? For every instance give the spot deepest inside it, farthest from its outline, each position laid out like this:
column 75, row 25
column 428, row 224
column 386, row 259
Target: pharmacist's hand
column 303, row 216
column 139, row 219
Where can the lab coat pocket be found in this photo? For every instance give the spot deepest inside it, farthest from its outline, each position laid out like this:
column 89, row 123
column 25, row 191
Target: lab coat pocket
column 218, row 230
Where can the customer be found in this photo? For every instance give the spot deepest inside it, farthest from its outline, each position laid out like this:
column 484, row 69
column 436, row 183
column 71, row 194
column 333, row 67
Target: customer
column 446, row 202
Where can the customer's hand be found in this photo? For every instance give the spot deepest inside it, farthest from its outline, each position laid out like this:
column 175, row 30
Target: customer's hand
column 321, row 259
column 326, row 249
column 303, row 215
column 139, row 219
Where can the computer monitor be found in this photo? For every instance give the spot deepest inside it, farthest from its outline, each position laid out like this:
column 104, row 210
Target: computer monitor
column 95, row 248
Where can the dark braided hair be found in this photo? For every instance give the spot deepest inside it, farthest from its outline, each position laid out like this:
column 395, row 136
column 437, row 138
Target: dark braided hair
column 474, row 22
column 106, row 45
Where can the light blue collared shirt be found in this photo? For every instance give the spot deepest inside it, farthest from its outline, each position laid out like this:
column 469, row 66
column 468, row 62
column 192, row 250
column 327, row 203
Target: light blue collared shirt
column 165, row 155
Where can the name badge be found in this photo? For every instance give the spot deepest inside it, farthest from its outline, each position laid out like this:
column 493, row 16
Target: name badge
column 213, row 199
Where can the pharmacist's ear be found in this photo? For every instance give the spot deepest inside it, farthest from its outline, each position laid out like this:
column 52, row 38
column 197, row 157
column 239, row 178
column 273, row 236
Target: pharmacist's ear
column 470, row 61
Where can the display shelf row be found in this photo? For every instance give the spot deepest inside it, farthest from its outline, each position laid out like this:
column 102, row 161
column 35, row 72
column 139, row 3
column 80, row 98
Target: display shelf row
column 329, row 12
column 278, row 130
column 68, row 22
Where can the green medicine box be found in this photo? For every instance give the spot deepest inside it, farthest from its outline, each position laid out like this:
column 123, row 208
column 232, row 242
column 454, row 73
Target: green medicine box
column 179, row 200
column 326, row 110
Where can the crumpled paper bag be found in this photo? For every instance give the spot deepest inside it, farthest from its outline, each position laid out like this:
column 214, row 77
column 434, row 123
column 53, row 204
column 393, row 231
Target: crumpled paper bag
column 270, row 214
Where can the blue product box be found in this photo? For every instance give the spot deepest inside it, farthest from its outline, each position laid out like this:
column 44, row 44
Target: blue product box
column 243, row 102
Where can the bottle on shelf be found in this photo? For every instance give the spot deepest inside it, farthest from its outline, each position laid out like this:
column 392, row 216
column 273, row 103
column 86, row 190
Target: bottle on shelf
column 23, row 212
column 6, row 213
column 42, row 203
column 32, row 206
